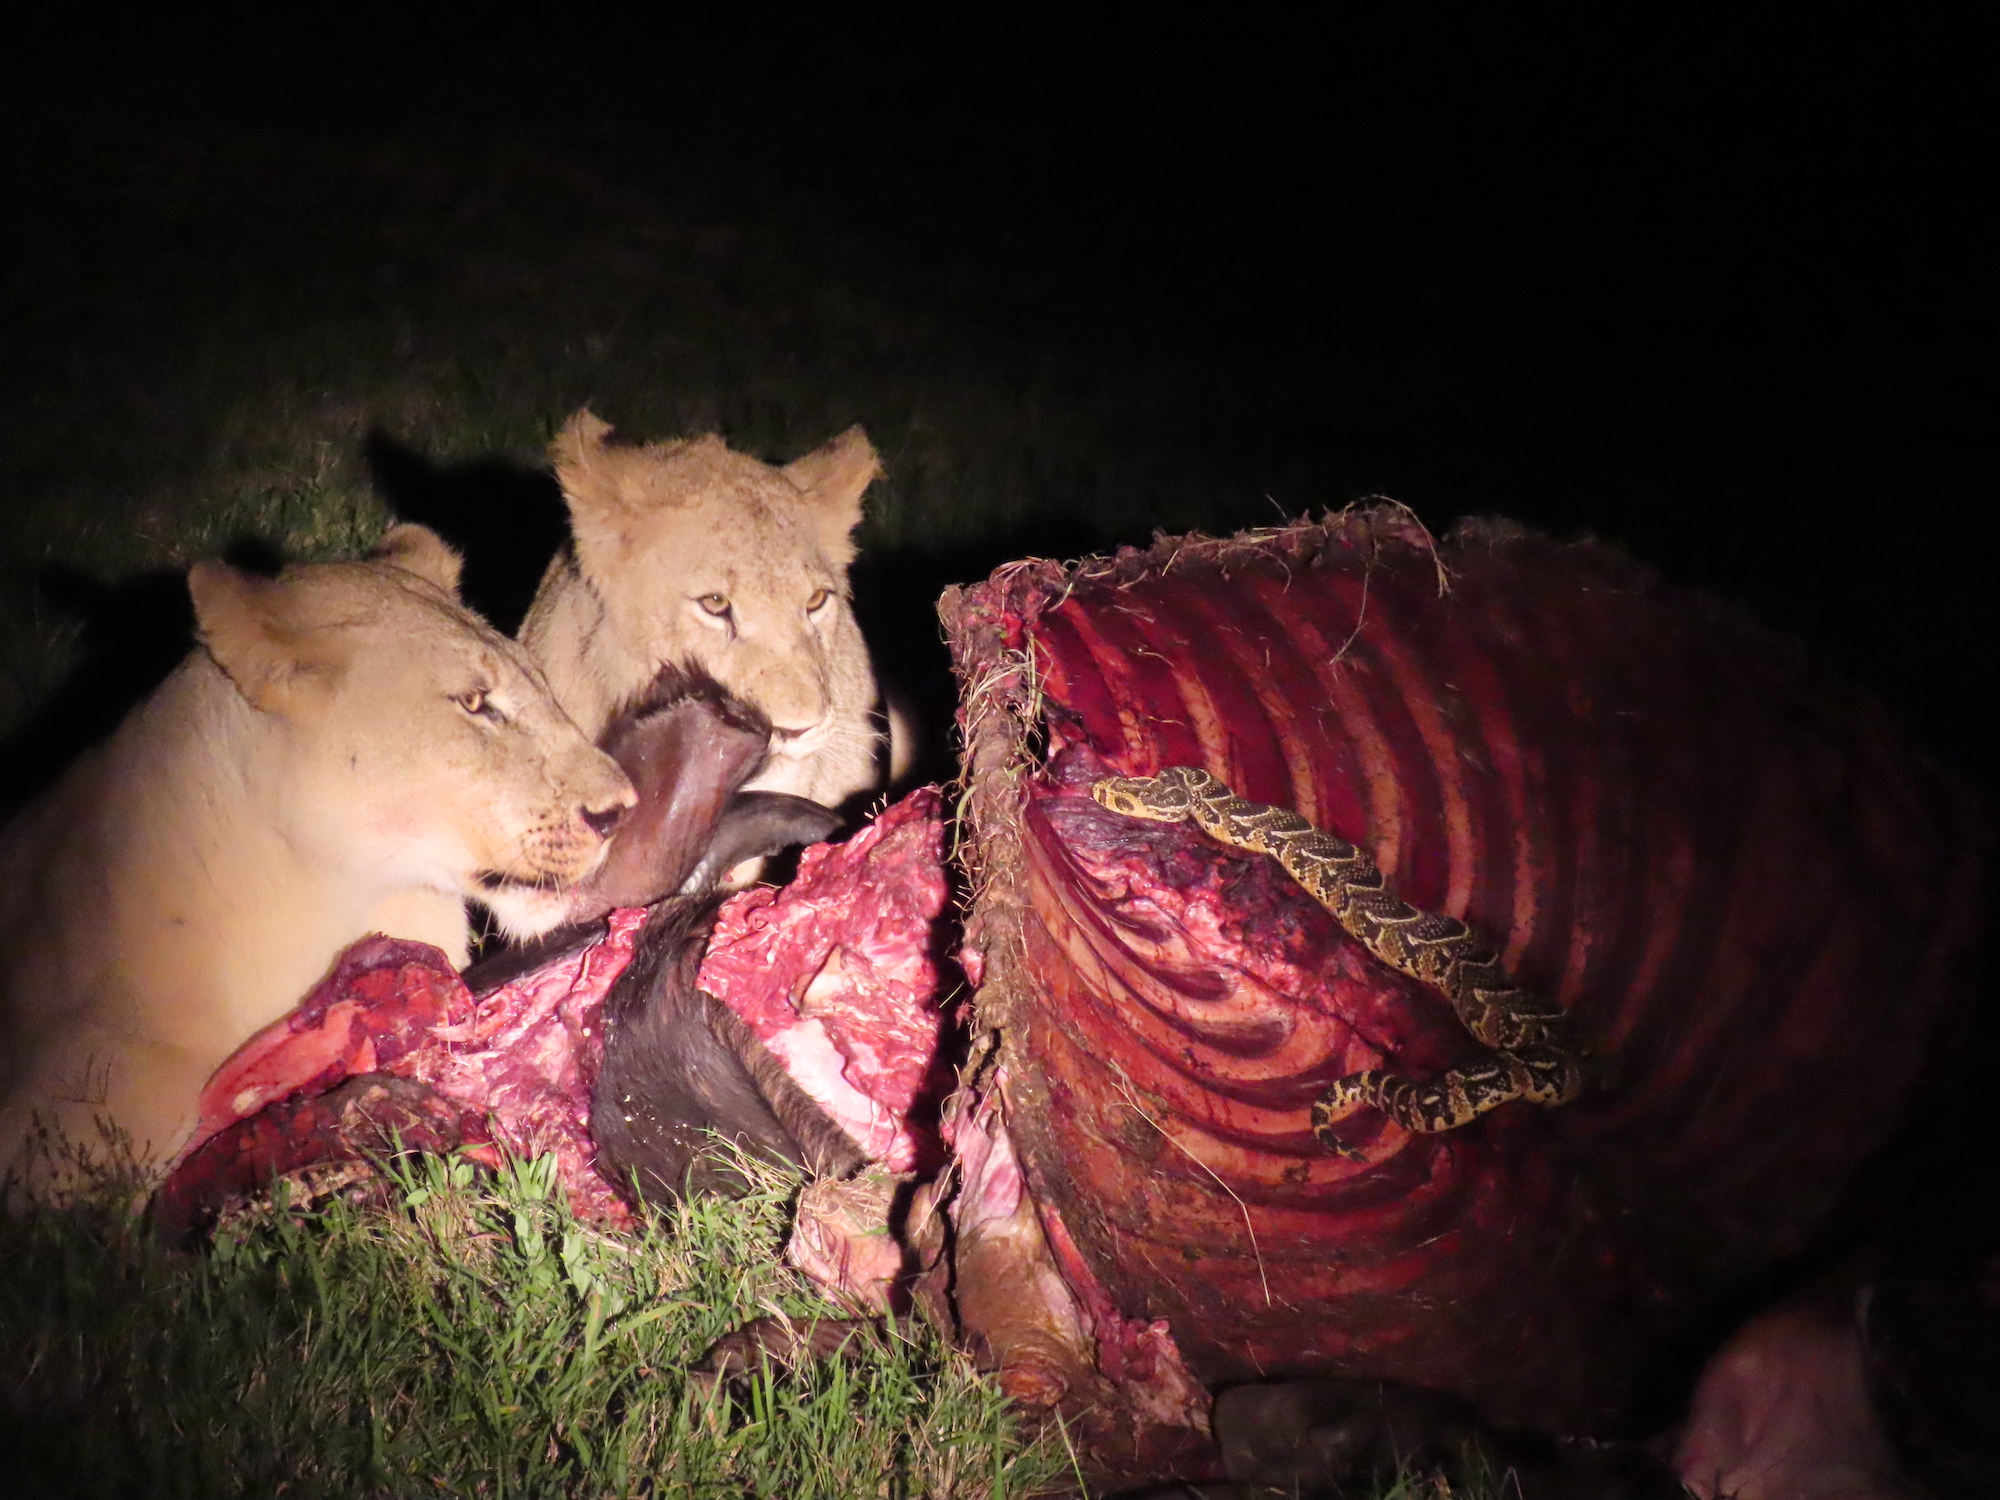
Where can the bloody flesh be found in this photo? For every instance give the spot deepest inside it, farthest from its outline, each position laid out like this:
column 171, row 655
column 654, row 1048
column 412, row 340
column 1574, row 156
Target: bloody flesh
column 837, row 976
column 1750, row 896
column 836, row 973
column 513, row 1068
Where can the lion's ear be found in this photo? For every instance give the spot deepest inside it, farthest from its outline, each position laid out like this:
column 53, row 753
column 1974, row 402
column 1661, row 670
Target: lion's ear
column 599, row 518
column 580, row 440
column 833, row 478
column 250, row 626
column 419, row 550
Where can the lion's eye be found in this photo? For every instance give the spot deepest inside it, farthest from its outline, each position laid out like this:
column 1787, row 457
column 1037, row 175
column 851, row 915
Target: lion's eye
column 818, row 600
column 478, row 704
column 715, row 604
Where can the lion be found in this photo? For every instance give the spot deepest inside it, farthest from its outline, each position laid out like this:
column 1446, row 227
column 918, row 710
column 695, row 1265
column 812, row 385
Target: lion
column 348, row 749
column 689, row 553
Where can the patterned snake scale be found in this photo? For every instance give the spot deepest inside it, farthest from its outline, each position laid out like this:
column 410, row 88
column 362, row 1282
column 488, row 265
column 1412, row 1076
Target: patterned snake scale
column 1530, row 1056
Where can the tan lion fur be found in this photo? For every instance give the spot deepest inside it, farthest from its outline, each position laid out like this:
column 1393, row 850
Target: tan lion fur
column 348, row 748
column 659, row 529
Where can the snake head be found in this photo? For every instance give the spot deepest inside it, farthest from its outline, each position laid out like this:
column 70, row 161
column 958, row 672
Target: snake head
column 1123, row 794
column 1169, row 797
column 1150, row 797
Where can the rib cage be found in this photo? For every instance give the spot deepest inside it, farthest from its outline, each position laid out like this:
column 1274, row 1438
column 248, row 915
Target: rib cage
column 1749, row 894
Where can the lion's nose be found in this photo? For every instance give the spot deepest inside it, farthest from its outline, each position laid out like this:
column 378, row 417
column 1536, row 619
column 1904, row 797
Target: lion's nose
column 604, row 819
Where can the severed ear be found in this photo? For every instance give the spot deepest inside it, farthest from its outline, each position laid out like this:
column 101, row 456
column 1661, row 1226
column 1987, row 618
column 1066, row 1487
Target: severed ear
column 251, row 627
column 419, row 550
column 832, row 479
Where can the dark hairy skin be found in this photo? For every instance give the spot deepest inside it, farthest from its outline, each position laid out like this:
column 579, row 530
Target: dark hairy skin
column 509, row 964
column 756, row 824
column 680, row 1068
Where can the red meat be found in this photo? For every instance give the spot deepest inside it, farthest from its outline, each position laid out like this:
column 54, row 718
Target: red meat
column 511, row 1068
column 1752, row 898
column 835, row 973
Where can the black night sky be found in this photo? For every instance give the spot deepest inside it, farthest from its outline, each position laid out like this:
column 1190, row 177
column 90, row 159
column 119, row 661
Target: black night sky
column 1714, row 293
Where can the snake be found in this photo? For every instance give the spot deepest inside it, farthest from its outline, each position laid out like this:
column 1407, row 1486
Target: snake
column 1530, row 1056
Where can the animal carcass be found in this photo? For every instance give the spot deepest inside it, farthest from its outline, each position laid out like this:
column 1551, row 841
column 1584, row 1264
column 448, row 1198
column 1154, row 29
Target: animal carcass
column 1751, row 899
column 1749, row 895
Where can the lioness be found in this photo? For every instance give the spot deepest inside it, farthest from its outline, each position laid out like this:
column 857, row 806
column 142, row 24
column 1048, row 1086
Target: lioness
column 688, row 552
column 348, row 749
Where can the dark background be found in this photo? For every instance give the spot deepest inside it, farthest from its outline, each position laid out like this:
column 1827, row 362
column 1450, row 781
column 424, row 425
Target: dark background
column 1716, row 292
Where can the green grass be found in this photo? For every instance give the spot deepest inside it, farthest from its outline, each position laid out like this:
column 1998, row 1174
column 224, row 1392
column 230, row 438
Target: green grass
column 470, row 1339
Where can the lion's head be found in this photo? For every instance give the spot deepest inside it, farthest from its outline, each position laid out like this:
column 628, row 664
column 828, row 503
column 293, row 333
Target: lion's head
column 348, row 749
column 435, row 755
column 688, row 552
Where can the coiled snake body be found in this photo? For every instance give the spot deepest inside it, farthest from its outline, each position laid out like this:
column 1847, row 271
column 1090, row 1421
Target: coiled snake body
column 1530, row 1059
